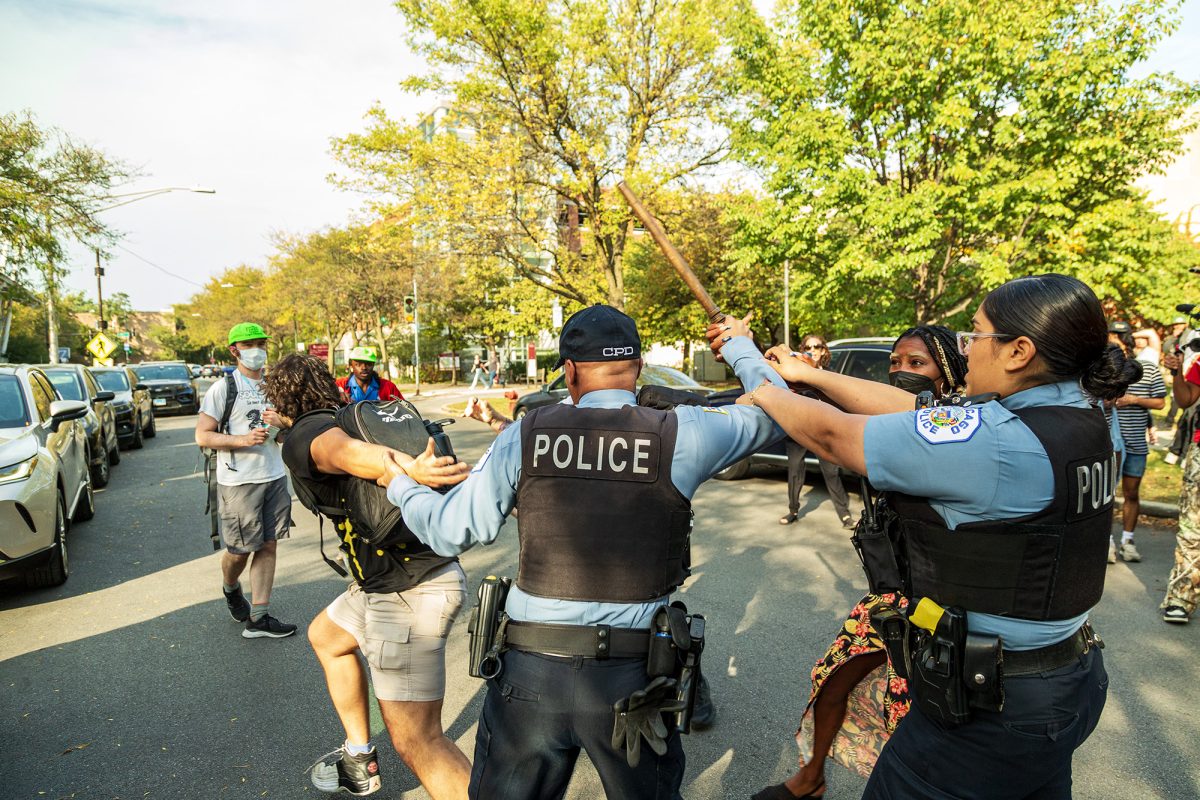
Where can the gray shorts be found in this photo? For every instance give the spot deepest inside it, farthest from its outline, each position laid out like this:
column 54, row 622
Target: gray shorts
column 254, row 513
column 403, row 634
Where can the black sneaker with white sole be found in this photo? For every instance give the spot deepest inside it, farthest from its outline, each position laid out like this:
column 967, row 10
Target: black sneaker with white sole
column 341, row 771
column 239, row 607
column 267, row 626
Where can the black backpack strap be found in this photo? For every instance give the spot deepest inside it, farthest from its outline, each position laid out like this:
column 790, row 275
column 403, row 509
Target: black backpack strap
column 231, row 393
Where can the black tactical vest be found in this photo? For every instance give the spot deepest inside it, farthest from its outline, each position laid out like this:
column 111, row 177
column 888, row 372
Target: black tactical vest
column 599, row 517
column 1045, row 566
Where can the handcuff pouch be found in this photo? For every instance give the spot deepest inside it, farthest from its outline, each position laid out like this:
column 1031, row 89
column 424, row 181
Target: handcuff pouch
column 983, row 671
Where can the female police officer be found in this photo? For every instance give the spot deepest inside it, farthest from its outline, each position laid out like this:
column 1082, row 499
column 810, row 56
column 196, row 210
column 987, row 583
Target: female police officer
column 1004, row 510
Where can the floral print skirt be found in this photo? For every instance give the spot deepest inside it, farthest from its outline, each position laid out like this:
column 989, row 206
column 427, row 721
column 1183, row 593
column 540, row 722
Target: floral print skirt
column 875, row 705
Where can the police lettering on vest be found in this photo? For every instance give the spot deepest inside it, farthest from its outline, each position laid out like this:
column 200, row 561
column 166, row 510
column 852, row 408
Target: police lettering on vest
column 615, row 455
column 1094, row 486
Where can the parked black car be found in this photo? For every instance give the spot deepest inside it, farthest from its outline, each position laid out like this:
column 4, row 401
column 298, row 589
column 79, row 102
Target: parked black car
column 131, row 405
column 859, row 358
column 171, row 386
column 75, row 382
column 652, row 375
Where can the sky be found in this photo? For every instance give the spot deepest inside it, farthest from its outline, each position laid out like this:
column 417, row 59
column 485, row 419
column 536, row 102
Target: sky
column 242, row 96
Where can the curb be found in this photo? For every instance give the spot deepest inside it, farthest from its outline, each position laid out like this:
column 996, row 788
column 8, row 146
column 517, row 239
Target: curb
column 1152, row 509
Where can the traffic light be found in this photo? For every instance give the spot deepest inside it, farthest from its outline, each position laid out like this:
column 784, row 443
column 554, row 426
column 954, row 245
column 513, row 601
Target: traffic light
column 410, row 307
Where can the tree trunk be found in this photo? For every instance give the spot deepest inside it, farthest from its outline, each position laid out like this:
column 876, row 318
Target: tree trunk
column 383, row 348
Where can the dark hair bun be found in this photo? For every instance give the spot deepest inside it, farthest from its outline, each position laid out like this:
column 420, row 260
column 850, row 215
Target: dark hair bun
column 1111, row 374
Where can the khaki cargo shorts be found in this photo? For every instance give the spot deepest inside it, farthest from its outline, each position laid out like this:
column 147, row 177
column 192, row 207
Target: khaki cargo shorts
column 403, row 634
column 254, row 513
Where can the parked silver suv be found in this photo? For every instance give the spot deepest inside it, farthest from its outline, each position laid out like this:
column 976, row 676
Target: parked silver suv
column 44, row 476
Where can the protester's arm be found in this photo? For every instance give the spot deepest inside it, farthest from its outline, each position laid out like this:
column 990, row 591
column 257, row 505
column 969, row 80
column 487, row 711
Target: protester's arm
column 335, row 452
column 1185, row 391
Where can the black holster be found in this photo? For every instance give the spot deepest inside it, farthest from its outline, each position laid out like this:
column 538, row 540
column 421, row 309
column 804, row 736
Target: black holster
column 676, row 643
column 953, row 671
column 486, row 628
column 874, row 539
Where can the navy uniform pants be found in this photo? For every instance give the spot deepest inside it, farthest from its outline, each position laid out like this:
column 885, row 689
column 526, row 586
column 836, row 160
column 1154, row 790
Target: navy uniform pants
column 542, row 710
column 1021, row 753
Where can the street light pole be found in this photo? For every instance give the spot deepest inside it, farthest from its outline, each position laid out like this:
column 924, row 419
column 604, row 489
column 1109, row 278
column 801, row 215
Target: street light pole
column 101, row 323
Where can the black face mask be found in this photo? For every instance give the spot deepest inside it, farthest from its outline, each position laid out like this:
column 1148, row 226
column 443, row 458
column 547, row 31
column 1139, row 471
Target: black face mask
column 912, row 382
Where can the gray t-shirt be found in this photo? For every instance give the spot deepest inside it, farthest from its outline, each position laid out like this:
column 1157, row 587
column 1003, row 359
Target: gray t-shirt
column 259, row 464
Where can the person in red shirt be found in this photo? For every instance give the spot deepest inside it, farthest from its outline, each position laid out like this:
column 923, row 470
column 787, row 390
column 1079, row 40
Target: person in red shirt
column 362, row 383
column 1183, row 585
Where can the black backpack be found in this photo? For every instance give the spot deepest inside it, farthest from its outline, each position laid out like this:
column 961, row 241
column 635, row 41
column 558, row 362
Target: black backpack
column 396, row 424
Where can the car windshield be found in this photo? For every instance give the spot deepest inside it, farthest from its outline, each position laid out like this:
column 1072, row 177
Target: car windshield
column 67, row 384
column 112, row 381
column 163, row 372
column 654, row 375
column 13, row 413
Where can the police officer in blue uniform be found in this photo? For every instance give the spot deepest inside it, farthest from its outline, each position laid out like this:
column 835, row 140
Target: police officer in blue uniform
column 604, row 488
column 1000, row 517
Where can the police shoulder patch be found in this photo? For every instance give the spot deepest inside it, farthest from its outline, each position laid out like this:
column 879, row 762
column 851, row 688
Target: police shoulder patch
column 945, row 424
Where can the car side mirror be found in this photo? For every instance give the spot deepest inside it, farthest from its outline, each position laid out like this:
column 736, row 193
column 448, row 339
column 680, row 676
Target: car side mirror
column 64, row 410
column 105, row 396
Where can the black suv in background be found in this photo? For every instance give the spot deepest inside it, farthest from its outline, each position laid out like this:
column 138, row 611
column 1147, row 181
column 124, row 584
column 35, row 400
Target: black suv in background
column 172, row 389
column 859, row 358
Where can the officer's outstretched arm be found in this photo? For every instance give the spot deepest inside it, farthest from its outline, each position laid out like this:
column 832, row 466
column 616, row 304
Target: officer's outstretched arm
column 829, row 433
column 855, row 395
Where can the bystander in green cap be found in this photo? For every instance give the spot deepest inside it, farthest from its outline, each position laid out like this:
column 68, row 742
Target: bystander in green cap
column 246, row 331
column 363, row 354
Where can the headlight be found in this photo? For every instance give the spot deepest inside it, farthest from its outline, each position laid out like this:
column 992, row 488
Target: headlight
column 18, row 472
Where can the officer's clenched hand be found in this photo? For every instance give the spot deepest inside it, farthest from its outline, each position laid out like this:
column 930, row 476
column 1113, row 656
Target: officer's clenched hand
column 719, row 333
column 640, row 716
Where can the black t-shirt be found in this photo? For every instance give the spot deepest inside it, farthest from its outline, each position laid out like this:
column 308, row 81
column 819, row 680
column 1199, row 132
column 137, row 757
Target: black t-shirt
column 390, row 568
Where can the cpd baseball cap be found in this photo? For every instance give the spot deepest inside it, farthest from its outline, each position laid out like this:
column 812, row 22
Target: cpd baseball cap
column 1120, row 327
column 245, row 332
column 598, row 333
column 363, row 354
column 1179, row 321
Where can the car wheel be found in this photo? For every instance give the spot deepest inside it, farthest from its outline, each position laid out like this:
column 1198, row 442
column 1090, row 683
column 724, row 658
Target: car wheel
column 138, row 434
column 99, row 472
column 521, row 412
column 151, row 430
column 85, row 509
column 56, row 571
column 735, row 471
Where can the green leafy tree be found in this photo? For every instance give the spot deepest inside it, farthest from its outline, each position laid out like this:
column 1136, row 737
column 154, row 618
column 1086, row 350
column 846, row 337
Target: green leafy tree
column 921, row 154
column 552, row 104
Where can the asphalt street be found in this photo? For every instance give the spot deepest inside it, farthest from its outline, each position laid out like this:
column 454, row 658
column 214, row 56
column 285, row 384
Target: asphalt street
column 131, row 681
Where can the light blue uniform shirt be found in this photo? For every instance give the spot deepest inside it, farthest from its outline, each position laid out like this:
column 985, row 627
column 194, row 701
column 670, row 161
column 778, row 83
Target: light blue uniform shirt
column 1000, row 472
column 473, row 512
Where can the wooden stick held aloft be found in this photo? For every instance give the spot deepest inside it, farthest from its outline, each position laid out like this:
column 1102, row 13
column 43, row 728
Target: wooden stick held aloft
column 655, row 228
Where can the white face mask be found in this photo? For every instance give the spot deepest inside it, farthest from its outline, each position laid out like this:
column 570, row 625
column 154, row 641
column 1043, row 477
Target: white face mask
column 253, row 359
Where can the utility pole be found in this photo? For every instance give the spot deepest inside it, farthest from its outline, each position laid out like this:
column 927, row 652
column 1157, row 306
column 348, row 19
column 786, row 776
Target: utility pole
column 102, row 324
column 416, row 336
column 51, row 317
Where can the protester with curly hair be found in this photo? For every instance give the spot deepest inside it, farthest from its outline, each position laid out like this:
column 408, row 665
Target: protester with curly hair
column 398, row 611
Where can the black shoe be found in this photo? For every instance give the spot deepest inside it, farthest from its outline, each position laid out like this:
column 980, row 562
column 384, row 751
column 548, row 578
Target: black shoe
column 235, row 601
column 267, row 626
column 340, row 771
column 788, row 519
column 705, row 713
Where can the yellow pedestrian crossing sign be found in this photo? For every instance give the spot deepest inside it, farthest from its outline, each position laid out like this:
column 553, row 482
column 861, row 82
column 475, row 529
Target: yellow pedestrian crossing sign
column 101, row 346
column 102, row 362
